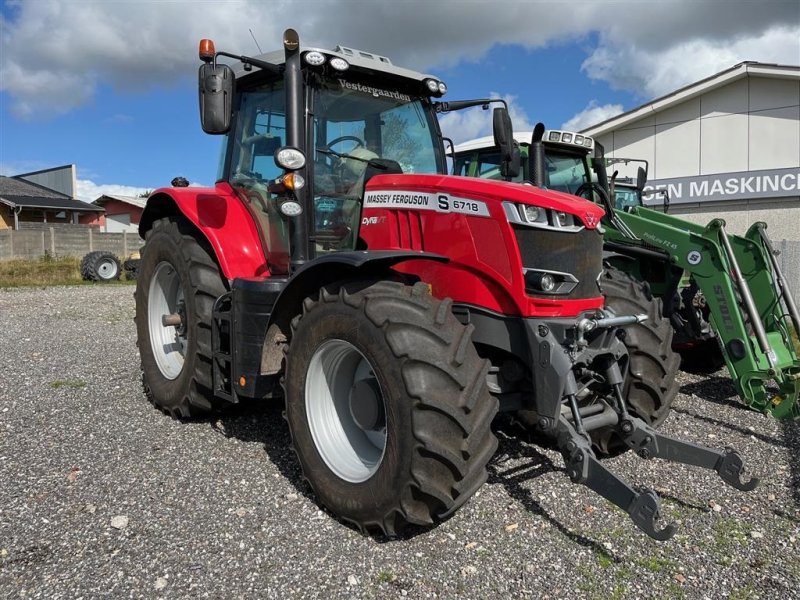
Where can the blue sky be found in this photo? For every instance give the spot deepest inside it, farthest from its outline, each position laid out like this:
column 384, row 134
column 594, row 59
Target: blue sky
column 127, row 116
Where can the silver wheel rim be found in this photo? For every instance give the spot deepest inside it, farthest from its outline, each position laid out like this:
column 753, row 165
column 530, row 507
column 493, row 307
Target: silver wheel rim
column 352, row 453
column 167, row 342
column 107, row 269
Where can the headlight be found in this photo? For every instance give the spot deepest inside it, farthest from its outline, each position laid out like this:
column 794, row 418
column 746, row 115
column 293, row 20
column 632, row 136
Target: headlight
column 291, row 208
column 532, row 213
column 433, row 85
column 339, row 64
column 562, row 218
column 550, row 283
column 579, row 139
column 289, row 158
column 587, row 142
column 554, row 136
column 567, row 137
column 547, row 282
column 442, row 88
column 314, row 58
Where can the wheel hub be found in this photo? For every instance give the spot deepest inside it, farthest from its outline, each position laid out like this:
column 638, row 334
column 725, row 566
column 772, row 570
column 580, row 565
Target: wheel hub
column 366, row 405
column 168, row 340
column 346, row 411
column 107, row 269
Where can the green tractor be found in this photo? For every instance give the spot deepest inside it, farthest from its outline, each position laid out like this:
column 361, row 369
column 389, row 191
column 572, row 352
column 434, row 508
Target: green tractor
column 725, row 295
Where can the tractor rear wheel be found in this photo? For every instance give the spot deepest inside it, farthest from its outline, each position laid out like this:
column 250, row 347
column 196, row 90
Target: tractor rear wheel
column 178, row 279
column 387, row 404
column 651, row 384
column 100, row 266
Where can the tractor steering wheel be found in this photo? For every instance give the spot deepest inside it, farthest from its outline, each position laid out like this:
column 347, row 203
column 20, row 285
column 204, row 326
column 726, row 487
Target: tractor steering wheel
column 333, row 161
column 344, row 138
column 586, row 190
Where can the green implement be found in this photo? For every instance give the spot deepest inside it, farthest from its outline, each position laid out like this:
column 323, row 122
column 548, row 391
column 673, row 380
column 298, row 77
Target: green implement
column 725, row 295
column 750, row 306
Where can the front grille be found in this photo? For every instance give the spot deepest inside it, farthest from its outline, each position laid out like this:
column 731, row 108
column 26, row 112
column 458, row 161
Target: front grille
column 579, row 253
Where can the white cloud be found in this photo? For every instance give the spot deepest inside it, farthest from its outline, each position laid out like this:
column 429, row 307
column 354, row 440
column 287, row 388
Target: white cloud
column 464, row 125
column 591, row 115
column 89, row 191
column 652, row 73
column 50, row 62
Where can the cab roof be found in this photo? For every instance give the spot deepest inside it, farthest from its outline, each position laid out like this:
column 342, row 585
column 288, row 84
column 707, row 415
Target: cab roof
column 359, row 59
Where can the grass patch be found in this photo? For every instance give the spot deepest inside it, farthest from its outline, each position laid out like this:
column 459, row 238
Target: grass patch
column 74, row 384
column 604, row 561
column 43, row 272
column 386, row 577
column 656, row 564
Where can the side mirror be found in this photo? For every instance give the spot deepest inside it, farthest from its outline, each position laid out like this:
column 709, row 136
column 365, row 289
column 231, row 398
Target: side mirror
column 641, row 179
column 215, row 91
column 504, row 140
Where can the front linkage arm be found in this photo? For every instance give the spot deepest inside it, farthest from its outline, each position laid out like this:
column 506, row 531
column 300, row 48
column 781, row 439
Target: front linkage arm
column 644, row 506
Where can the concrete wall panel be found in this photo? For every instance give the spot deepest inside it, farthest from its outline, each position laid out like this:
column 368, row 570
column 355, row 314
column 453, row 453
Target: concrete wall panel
column 768, row 93
column 723, row 144
column 774, row 140
column 726, row 100
column 677, row 150
column 685, row 111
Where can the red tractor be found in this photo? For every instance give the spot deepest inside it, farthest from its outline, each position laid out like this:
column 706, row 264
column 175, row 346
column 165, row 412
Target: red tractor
column 393, row 307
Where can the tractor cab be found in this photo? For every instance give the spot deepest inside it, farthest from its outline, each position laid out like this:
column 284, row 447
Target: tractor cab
column 306, row 129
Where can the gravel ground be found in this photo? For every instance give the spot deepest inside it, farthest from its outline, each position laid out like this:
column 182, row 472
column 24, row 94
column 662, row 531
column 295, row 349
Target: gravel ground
column 103, row 496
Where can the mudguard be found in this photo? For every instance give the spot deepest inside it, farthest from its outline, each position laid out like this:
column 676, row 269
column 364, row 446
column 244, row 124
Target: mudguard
column 221, row 217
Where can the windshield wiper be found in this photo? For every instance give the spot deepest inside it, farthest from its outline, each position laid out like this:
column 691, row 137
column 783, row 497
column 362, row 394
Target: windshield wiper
column 373, row 162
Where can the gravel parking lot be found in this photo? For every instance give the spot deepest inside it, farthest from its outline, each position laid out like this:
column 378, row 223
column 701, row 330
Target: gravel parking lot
column 103, row 496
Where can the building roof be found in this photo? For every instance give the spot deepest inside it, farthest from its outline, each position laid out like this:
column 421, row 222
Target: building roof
column 17, row 192
column 132, row 200
column 739, row 71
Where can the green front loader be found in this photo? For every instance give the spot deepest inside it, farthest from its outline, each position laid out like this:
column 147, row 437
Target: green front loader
column 724, row 294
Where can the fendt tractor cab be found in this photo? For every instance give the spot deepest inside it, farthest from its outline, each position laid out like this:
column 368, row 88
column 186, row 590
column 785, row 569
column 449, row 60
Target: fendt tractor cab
column 724, row 294
column 393, row 307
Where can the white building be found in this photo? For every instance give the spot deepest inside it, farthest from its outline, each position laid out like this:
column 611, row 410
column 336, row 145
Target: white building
column 727, row 146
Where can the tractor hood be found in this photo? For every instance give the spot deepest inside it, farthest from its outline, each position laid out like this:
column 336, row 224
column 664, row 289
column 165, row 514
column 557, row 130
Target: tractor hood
column 433, row 192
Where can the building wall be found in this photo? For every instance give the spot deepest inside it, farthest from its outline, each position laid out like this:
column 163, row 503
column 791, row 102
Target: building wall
column 749, row 126
column 61, row 180
column 6, row 217
column 115, row 208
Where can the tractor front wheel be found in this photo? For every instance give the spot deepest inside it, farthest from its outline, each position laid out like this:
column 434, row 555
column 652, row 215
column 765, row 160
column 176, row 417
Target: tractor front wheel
column 387, row 404
column 651, row 384
column 177, row 285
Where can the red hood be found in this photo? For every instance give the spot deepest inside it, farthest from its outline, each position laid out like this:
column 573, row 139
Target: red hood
column 487, row 189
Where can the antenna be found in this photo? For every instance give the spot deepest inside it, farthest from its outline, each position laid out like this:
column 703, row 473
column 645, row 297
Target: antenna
column 255, row 40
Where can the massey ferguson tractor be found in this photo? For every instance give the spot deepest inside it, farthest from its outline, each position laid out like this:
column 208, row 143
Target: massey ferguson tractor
column 394, row 308
column 725, row 295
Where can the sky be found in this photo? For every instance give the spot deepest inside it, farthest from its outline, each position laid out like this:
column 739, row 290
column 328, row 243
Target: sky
column 111, row 85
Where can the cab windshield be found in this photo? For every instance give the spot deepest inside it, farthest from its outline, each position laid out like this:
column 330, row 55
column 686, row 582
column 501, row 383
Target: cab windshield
column 564, row 172
column 350, row 126
column 357, row 130
column 625, row 197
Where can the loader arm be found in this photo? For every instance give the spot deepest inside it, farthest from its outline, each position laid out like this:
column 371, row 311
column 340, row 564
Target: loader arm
column 751, row 307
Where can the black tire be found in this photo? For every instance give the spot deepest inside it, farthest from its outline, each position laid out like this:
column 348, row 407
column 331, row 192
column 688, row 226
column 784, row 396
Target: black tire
column 433, row 387
column 131, row 267
column 703, row 359
column 189, row 392
column 651, row 384
column 100, row 266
